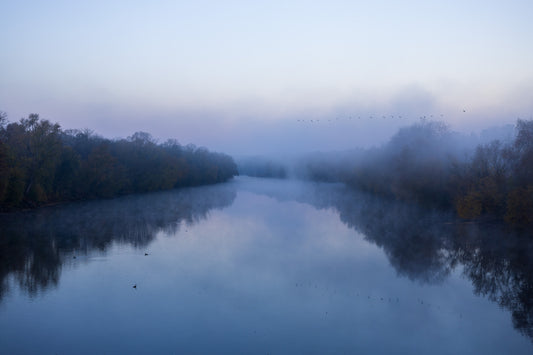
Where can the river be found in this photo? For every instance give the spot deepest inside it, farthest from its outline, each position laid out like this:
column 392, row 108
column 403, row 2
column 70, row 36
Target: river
column 261, row 266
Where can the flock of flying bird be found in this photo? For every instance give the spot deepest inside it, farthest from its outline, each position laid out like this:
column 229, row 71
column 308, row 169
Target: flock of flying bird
column 348, row 118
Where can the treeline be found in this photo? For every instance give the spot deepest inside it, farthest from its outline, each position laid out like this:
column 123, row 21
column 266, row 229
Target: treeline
column 328, row 166
column 40, row 164
column 261, row 167
column 498, row 180
column 430, row 165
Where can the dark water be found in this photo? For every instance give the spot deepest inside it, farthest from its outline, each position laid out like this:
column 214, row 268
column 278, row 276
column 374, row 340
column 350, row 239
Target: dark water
column 261, row 267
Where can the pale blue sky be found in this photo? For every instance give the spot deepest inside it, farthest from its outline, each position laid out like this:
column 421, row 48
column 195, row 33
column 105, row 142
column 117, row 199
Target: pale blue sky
column 236, row 75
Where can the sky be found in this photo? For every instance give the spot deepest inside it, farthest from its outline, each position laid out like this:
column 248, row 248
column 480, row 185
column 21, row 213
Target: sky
column 247, row 77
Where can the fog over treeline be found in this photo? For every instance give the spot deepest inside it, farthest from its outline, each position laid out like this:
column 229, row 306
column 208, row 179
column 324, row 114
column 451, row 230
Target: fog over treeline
column 488, row 175
column 260, row 166
column 40, row 163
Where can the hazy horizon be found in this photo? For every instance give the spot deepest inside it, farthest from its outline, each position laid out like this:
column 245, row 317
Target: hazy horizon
column 239, row 77
column 367, row 185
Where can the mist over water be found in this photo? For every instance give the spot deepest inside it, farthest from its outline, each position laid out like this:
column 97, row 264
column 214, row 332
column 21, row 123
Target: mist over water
column 372, row 164
column 262, row 265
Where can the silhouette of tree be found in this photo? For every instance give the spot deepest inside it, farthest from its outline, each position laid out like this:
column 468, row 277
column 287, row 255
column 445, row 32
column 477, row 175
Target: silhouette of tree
column 40, row 163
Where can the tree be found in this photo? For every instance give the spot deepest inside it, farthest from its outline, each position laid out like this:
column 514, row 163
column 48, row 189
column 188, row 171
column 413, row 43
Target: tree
column 4, row 166
column 40, row 163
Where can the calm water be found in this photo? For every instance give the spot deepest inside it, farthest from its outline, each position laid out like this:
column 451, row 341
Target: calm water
column 261, row 267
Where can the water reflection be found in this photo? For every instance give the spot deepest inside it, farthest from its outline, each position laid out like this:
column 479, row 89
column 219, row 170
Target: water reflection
column 422, row 245
column 426, row 245
column 35, row 245
column 499, row 263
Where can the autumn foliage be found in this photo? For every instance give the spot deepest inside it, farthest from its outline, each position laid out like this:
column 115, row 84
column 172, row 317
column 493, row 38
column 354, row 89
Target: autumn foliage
column 40, row 163
column 428, row 164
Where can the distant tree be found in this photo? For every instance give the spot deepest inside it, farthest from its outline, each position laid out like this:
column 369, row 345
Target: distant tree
column 483, row 187
column 262, row 167
column 43, row 152
column 422, row 163
column 520, row 206
column 3, row 120
column 520, row 156
column 101, row 173
column 522, row 153
column 67, row 175
column 33, row 151
column 4, row 170
column 40, row 163
column 4, row 166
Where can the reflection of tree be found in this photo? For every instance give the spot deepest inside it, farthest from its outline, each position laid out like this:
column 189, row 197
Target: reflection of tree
column 35, row 245
column 414, row 242
column 500, row 265
column 426, row 245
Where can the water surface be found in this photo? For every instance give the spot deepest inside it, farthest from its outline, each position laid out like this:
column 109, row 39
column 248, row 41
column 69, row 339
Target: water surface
column 262, row 267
